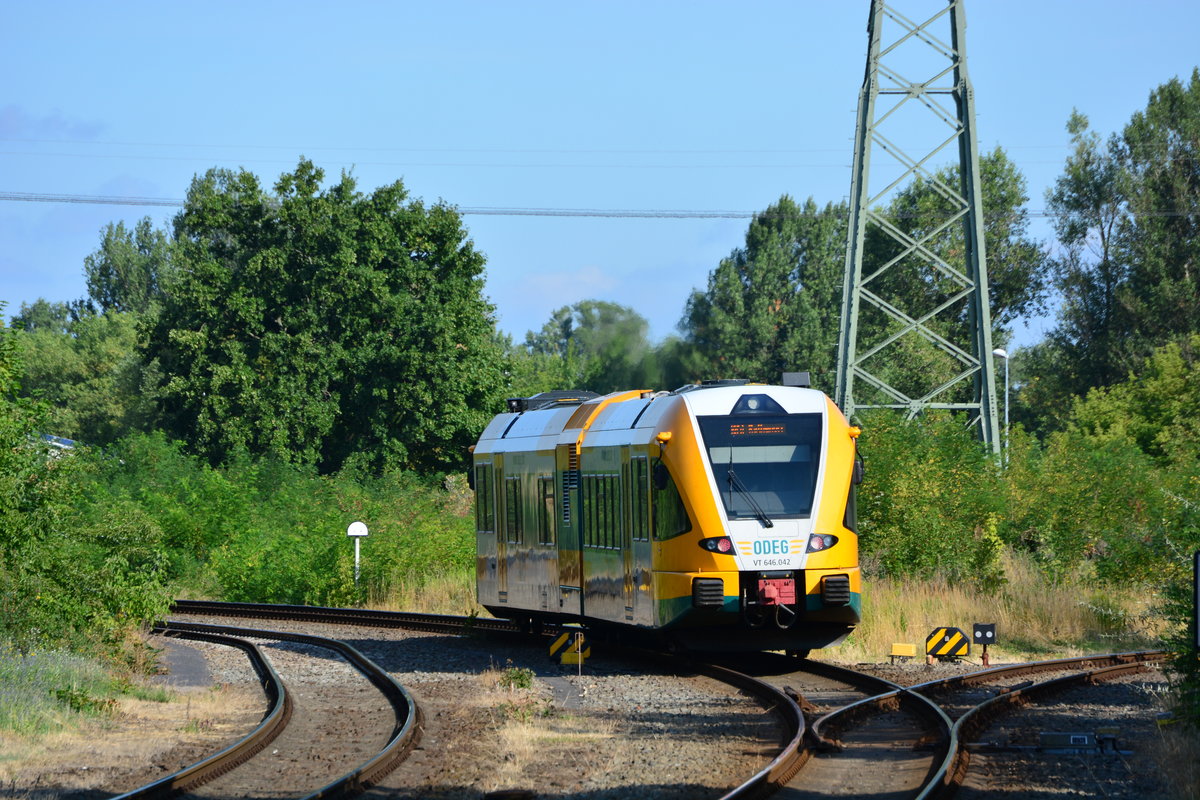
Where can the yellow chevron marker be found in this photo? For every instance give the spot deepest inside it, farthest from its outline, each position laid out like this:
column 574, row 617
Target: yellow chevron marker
column 947, row 643
column 577, row 648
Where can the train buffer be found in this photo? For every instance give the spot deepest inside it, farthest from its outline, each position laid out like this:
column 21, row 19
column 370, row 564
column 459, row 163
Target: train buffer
column 902, row 650
column 571, row 647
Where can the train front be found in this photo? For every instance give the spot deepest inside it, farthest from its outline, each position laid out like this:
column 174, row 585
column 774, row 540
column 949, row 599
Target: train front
column 767, row 474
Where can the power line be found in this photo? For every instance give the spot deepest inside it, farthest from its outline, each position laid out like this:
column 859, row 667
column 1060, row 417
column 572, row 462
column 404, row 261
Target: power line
column 114, row 200
column 504, row 211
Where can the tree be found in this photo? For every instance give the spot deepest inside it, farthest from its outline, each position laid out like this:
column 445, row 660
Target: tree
column 91, row 376
column 1088, row 206
column 601, row 347
column 1160, row 151
column 773, row 305
column 43, row 316
column 1128, row 220
column 128, row 270
column 324, row 327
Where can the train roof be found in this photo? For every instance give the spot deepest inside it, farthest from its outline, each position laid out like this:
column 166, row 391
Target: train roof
column 551, row 414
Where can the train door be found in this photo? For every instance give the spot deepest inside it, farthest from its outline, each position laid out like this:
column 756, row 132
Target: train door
column 639, row 578
column 570, row 547
column 486, row 566
column 502, row 533
column 627, row 517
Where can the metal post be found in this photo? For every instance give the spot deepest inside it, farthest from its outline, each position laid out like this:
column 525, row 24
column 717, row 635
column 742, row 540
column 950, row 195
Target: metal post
column 357, row 531
column 1002, row 353
column 1006, row 440
column 955, row 318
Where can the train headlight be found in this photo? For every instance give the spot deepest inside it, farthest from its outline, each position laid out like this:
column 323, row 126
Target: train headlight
column 717, row 544
column 820, row 541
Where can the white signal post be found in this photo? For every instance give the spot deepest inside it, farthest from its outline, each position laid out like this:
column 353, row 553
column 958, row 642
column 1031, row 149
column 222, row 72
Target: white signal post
column 357, row 531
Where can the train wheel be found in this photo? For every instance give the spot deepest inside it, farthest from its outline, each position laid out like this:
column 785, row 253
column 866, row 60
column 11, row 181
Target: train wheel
column 798, row 653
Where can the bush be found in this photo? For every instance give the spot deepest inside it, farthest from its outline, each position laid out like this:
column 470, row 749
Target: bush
column 931, row 500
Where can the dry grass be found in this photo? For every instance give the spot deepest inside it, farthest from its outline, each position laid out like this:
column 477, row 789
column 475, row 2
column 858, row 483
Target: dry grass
column 531, row 736
column 1179, row 761
column 139, row 731
column 451, row 593
column 1035, row 617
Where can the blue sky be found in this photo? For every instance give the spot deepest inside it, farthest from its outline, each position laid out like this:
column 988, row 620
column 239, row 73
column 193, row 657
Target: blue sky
column 586, row 105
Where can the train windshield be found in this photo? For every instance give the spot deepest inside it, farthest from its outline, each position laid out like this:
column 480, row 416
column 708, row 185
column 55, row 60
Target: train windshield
column 765, row 465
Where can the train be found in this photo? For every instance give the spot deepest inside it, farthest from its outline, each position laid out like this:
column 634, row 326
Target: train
column 716, row 517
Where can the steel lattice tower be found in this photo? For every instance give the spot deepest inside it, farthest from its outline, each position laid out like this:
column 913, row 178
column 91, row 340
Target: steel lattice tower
column 948, row 322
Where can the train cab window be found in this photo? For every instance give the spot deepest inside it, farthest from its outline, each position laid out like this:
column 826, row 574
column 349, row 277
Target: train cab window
column 546, row 509
column 670, row 515
column 485, row 502
column 639, row 498
column 764, row 465
column 512, row 510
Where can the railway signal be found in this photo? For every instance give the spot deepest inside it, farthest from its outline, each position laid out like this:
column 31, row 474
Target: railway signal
column 985, row 634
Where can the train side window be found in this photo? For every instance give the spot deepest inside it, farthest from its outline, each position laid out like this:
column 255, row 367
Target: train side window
column 670, row 516
column 546, row 509
column 850, row 520
column 512, row 510
column 602, row 511
column 639, row 498
column 587, row 516
column 485, row 503
column 615, row 521
column 602, row 522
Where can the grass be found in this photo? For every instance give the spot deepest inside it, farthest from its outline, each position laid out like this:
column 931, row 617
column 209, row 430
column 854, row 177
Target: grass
column 42, row 691
column 1179, row 761
column 447, row 593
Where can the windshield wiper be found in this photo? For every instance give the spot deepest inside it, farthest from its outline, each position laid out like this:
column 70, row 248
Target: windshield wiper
column 736, row 483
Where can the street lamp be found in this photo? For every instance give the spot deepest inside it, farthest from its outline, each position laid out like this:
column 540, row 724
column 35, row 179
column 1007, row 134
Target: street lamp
column 1002, row 353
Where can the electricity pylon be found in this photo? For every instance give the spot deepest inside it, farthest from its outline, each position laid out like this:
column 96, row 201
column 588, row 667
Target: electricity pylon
column 925, row 294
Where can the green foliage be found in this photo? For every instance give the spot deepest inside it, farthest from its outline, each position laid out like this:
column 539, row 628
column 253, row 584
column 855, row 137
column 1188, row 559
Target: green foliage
column 516, row 678
column 931, row 501
column 90, row 374
column 64, row 578
column 38, row 690
column 323, row 327
column 128, row 271
column 296, row 549
column 271, row 531
column 1158, row 411
column 594, row 345
column 1128, row 219
column 773, row 305
column 1081, row 500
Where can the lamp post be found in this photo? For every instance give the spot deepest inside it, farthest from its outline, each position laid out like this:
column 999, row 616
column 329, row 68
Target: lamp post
column 1000, row 352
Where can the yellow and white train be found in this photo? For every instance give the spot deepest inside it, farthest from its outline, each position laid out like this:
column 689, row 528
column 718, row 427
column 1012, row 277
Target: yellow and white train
column 720, row 516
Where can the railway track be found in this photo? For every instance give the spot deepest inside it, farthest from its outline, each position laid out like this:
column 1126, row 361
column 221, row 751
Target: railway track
column 860, row 731
column 913, row 740
column 304, row 759
column 791, row 755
